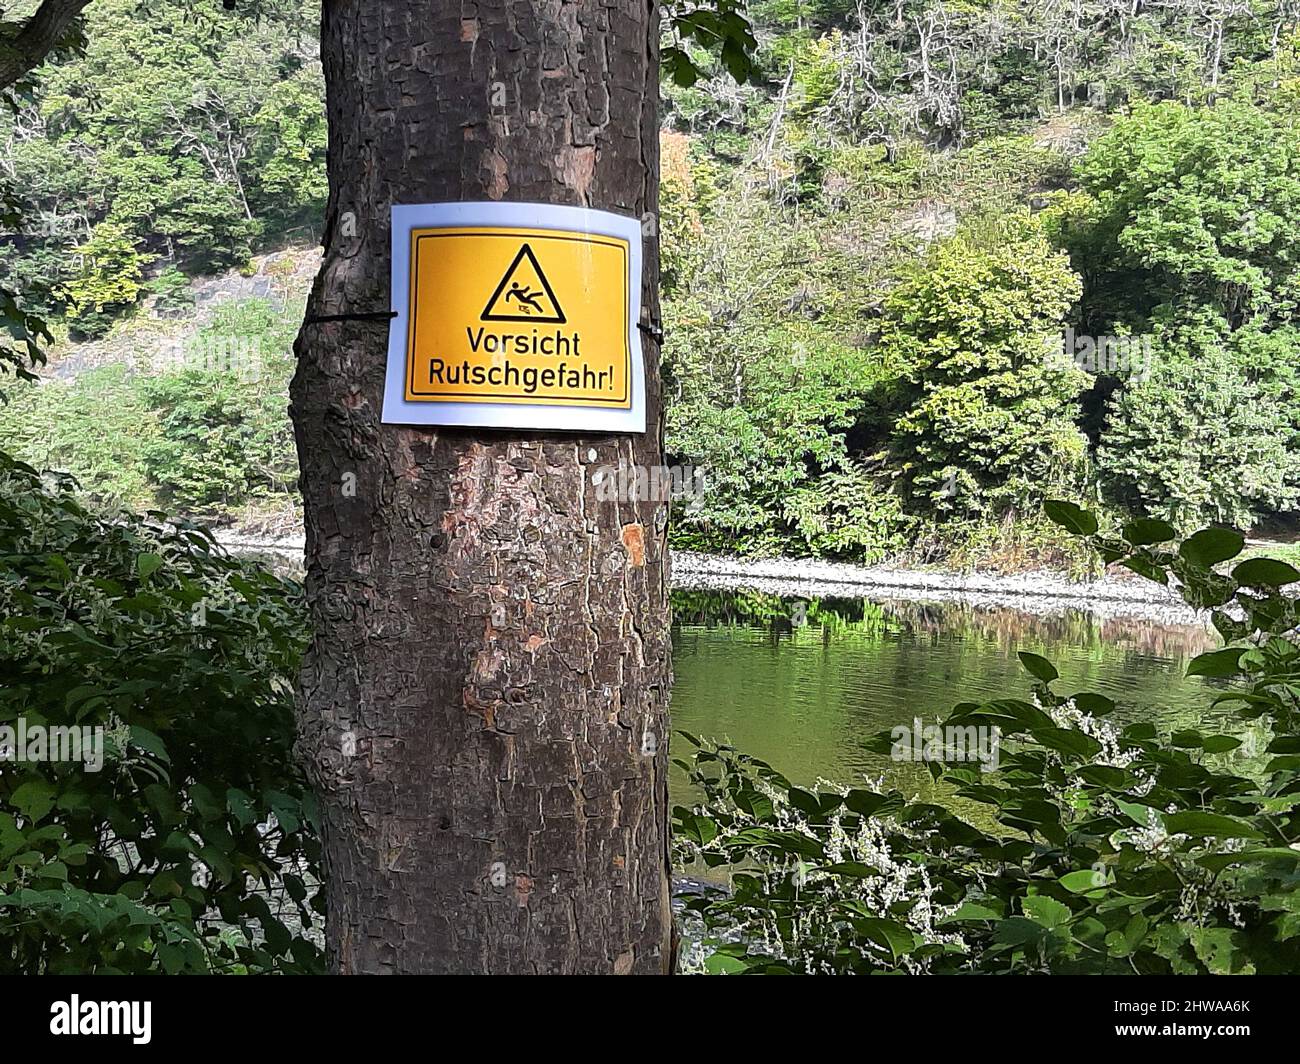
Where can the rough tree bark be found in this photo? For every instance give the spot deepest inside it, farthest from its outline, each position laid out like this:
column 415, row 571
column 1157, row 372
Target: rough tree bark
column 27, row 49
column 484, row 705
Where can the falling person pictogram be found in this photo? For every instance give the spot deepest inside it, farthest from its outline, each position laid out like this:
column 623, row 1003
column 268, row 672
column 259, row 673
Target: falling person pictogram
column 524, row 293
column 525, row 297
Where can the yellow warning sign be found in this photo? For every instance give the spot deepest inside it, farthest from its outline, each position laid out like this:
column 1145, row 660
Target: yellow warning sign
column 518, row 315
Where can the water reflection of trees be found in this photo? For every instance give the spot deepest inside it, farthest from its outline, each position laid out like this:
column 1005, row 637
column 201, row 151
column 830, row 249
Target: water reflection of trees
column 1004, row 626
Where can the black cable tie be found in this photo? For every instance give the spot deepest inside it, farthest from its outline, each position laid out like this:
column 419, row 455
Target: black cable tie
column 372, row 315
column 653, row 330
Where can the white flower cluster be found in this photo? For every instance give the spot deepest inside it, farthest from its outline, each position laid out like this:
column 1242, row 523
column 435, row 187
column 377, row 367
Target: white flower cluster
column 1153, row 837
column 1112, row 753
column 899, row 890
column 1068, row 715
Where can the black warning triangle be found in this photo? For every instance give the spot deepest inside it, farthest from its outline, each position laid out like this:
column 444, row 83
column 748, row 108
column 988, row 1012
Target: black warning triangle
column 518, row 297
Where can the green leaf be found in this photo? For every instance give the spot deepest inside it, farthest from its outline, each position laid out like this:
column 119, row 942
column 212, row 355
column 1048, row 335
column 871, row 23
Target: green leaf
column 1038, row 666
column 1216, row 949
column 218, row 862
column 1067, row 741
column 1265, row 572
column 892, row 935
column 1139, row 814
column 33, row 799
column 240, row 806
column 755, row 804
column 147, row 564
column 144, row 739
column 172, row 957
column 1071, row 517
column 974, row 910
column 1144, row 566
column 1217, row 663
column 736, row 59
column 1017, row 931
column 1210, row 546
column 868, row 803
column 701, row 828
column 1084, row 881
column 1048, row 912
column 1123, row 943
column 1203, row 824
column 1216, row 862
column 853, row 869
column 805, row 802
column 1147, row 530
column 677, row 63
column 724, row 964
column 1091, row 702
column 80, row 694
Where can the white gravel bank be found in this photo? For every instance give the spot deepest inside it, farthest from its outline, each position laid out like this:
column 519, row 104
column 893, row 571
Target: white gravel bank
column 1034, row 592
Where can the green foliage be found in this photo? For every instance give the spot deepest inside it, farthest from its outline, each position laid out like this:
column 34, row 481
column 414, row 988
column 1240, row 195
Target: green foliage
column 217, row 444
column 20, row 349
column 23, row 331
column 1196, row 208
column 171, row 290
column 1212, row 434
column 1175, row 220
column 1184, row 231
column 176, row 137
column 700, row 35
column 109, row 277
column 686, row 197
column 289, row 145
column 193, row 847
column 764, row 414
column 847, row 512
column 209, row 434
column 98, row 426
column 1097, row 848
column 828, row 176
column 988, row 423
column 1005, row 96
column 224, row 435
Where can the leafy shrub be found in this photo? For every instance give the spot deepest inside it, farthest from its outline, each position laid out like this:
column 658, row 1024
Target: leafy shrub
column 764, row 415
column 989, row 425
column 171, row 290
column 1182, row 229
column 1097, row 848
column 847, row 512
column 206, row 436
column 194, row 848
column 1213, row 434
column 1195, row 207
column 224, row 435
column 97, row 425
column 109, row 277
column 20, row 347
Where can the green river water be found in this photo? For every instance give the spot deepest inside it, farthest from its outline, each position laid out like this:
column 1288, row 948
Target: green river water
column 807, row 697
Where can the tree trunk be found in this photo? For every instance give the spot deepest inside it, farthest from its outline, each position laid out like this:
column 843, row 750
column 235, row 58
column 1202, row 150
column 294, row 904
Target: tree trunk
column 483, row 708
column 27, row 49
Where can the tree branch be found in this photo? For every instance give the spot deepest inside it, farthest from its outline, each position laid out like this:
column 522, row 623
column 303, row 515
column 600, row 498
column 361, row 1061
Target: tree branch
column 25, row 52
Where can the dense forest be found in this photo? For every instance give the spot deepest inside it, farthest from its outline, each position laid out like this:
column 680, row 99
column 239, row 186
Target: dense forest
column 924, row 266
